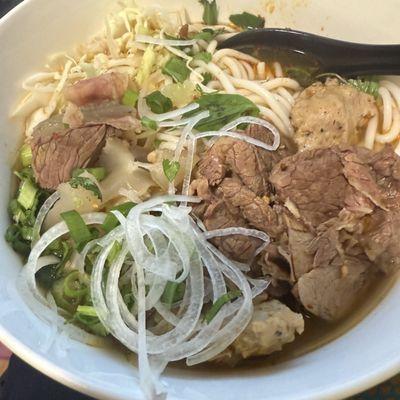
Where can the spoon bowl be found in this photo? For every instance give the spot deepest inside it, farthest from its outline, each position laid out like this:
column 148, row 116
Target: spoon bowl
column 327, row 55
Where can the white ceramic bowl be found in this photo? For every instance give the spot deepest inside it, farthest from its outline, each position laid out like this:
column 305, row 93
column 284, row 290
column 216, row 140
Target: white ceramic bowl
column 364, row 356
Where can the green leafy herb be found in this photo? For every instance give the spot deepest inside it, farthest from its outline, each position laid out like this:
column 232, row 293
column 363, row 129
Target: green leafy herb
column 158, row 103
column 111, row 220
column 25, row 155
column 246, row 20
column 149, row 123
column 203, row 56
column 369, row 85
column 223, row 108
column 79, row 231
column 366, row 84
column 176, row 68
column 173, row 292
column 225, row 298
column 171, row 169
column 87, row 184
column 130, row 98
column 210, row 12
column 98, row 172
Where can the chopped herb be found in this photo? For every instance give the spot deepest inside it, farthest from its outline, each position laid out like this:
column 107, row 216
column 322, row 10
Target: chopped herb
column 87, row 317
column 157, row 143
column 225, row 298
column 176, row 68
column 170, row 168
column 366, row 84
column 79, row 231
column 115, row 250
column 369, row 85
column 98, row 172
column 27, row 194
column 111, row 220
column 87, row 184
column 68, row 304
column 208, row 34
column 210, row 12
column 158, row 103
column 23, row 211
column 173, row 292
column 149, row 123
column 14, row 237
column 130, row 98
column 223, row 108
column 246, row 20
column 127, row 296
column 73, row 286
column 25, row 155
column 203, row 56
column 87, row 310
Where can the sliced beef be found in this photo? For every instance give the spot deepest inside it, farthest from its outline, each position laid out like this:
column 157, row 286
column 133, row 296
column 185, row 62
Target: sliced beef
column 313, row 182
column 232, row 178
column 109, row 113
column 110, row 86
column 319, row 183
column 378, row 235
column 385, row 166
column 272, row 326
column 57, row 152
column 342, row 221
column 329, row 292
column 329, row 114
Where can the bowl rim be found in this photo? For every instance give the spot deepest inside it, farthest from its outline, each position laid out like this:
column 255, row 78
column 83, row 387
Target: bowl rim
column 57, row 373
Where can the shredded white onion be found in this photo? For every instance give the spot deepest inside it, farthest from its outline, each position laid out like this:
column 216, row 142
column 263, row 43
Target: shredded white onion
column 164, row 42
column 41, row 216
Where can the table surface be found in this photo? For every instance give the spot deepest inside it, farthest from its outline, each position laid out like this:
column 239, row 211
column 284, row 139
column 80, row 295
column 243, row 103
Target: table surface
column 389, row 390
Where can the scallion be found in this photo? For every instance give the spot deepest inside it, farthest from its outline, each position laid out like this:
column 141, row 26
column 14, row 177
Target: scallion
column 130, row 98
column 111, row 220
column 115, row 250
column 87, row 310
column 27, row 194
column 73, row 286
column 79, row 231
column 173, row 292
column 25, row 155
column 225, row 298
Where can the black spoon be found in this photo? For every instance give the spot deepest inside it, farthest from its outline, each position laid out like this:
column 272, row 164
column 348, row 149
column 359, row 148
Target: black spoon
column 330, row 55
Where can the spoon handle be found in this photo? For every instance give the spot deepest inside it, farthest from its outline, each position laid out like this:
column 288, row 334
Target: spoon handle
column 345, row 58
